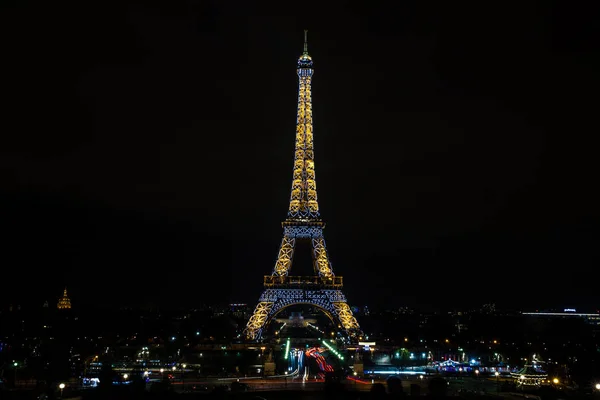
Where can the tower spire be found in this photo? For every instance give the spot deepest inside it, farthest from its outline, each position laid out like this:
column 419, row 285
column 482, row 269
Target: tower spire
column 303, row 199
column 306, row 41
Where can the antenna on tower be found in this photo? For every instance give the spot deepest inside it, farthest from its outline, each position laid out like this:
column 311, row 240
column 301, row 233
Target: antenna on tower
column 306, row 41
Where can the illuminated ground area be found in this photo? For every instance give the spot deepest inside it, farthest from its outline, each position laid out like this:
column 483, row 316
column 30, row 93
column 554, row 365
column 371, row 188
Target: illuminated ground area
column 301, row 322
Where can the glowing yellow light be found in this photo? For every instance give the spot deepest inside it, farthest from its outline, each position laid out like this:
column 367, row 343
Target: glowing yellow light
column 303, row 221
column 64, row 303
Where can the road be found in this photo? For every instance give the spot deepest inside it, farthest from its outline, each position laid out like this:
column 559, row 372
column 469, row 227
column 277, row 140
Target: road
column 466, row 384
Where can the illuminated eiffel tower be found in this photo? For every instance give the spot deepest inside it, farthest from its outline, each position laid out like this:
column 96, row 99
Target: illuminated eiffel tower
column 323, row 289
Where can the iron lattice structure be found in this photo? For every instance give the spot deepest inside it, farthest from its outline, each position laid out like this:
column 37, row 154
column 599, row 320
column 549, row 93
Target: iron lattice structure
column 323, row 289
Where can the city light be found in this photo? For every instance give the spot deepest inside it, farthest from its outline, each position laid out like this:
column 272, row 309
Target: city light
column 287, row 348
column 334, row 351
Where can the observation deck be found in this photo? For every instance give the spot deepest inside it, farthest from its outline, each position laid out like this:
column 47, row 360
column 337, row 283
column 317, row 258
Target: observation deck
column 303, row 222
column 309, row 282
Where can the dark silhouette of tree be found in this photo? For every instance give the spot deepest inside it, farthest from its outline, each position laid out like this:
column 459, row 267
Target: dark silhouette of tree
column 395, row 389
column 438, row 387
column 106, row 376
column 378, row 391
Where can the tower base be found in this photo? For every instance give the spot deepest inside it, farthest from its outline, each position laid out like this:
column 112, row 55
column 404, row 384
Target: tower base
column 331, row 301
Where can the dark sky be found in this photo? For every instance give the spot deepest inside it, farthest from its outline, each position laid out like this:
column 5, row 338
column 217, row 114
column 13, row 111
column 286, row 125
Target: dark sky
column 146, row 149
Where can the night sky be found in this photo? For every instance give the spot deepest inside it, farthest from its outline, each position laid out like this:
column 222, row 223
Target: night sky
column 146, row 150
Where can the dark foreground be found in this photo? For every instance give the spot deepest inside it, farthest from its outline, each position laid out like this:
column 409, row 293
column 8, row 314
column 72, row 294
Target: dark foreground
column 378, row 392
column 436, row 388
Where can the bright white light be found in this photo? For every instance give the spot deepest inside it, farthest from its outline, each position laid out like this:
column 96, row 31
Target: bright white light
column 61, row 386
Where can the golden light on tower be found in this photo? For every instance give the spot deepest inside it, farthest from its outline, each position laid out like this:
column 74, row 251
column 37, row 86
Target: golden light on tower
column 303, row 224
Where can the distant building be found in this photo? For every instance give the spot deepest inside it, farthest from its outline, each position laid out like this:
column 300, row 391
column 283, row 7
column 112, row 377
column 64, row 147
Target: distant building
column 591, row 318
column 360, row 311
column 64, row 303
column 239, row 310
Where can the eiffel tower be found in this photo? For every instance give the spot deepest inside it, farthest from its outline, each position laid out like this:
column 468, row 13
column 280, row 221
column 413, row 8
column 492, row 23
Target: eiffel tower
column 303, row 223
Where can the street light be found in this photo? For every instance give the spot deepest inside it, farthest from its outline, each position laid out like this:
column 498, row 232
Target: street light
column 125, row 376
column 555, row 381
column 183, row 376
column 61, row 387
column 597, row 386
column 497, row 386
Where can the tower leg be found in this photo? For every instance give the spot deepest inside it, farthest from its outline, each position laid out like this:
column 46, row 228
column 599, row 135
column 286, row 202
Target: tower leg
column 320, row 259
column 285, row 255
column 258, row 320
column 347, row 319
